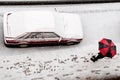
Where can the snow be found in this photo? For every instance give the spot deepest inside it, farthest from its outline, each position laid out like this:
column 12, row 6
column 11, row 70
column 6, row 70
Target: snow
column 42, row 21
column 73, row 29
column 29, row 22
column 67, row 62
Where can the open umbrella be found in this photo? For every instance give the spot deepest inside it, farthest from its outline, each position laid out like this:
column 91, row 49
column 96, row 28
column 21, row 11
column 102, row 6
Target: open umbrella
column 107, row 48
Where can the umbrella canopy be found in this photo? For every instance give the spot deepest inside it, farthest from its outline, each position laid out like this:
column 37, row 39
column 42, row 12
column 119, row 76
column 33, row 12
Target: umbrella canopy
column 107, row 47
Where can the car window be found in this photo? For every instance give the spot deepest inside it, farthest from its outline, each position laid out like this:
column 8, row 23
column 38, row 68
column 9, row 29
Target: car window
column 22, row 36
column 34, row 35
column 50, row 35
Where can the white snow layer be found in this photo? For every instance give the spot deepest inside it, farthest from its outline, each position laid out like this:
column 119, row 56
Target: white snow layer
column 66, row 62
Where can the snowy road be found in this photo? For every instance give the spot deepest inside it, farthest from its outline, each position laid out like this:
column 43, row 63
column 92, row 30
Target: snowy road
column 66, row 62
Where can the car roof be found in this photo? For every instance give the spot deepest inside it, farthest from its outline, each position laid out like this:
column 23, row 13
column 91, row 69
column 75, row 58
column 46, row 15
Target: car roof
column 58, row 22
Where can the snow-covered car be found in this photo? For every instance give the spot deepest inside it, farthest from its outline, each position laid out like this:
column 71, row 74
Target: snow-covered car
column 40, row 38
column 26, row 28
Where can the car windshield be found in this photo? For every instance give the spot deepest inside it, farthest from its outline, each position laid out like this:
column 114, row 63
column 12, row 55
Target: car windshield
column 22, row 35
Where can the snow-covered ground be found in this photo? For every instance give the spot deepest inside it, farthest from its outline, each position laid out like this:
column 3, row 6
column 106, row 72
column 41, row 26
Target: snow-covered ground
column 66, row 62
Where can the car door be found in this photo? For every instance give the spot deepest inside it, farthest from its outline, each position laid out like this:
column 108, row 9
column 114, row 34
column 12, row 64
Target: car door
column 35, row 38
column 51, row 38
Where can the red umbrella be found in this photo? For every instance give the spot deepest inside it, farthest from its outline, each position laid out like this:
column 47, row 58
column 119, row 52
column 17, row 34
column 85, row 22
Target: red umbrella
column 107, row 47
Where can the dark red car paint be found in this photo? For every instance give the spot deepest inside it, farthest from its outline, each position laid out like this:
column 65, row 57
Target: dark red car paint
column 14, row 41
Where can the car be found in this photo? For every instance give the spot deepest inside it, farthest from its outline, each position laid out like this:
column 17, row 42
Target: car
column 41, row 28
column 40, row 38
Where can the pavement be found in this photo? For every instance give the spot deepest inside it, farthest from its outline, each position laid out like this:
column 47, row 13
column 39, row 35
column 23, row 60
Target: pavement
column 63, row 63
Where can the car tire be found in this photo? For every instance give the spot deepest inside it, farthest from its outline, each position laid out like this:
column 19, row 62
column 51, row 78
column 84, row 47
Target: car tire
column 76, row 42
column 23, row 45
column 7, row 45
column 70, row 43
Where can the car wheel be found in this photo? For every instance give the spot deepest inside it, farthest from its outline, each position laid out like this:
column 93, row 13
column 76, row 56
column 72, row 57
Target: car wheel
column 23, row 45
column 70, row 43
column 76, row 42
column 7, row 45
